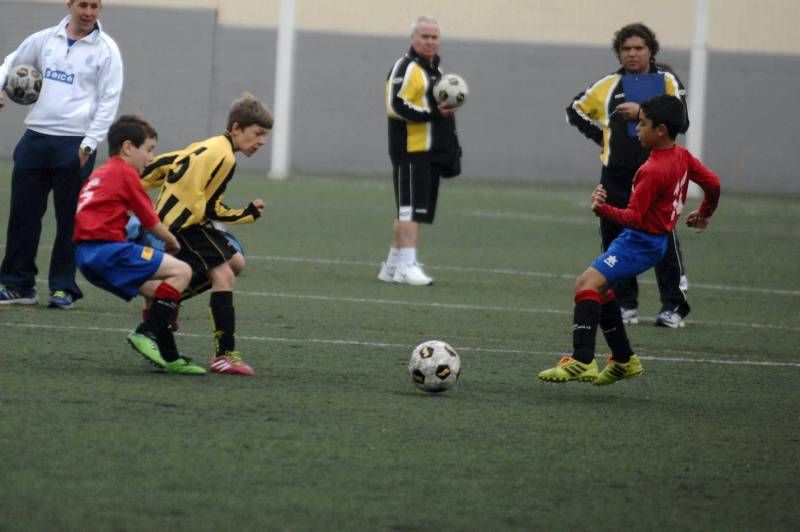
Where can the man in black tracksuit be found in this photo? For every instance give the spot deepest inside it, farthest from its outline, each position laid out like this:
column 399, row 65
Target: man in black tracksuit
column 607, row 115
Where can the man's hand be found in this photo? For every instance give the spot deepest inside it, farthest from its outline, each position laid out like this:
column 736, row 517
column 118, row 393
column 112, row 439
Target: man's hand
column 446, row 111
column 697, row 221
column 627, row 110
column 258, row 203
column 2, row 99
column 83, row 157
column 598, row 197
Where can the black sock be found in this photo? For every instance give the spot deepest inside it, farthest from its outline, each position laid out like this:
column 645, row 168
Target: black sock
column 223, row 321
column 584, row 325
column 157, row 316
column 614, row 330
column 166, row 344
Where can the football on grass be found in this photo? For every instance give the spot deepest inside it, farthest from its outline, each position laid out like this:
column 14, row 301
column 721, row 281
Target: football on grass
column 23, row 84
column 451, row 90
column 434, row 366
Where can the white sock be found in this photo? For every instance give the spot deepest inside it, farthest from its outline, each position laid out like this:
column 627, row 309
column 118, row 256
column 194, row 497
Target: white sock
column 408, row 255
column 393, row 259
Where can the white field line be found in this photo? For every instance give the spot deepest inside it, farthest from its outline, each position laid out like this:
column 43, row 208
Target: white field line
column 461, row 306
column 491, row 308
column 506, row 271
column 679, row 360
column 521, row 273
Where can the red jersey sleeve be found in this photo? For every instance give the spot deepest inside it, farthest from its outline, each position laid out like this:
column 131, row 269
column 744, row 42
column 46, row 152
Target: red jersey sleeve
column 140, row 202
column 644, row 190
column 708, row 181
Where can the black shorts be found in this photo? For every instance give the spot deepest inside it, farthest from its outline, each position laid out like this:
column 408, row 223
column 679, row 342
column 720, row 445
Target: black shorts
column 204, row 248
column 416, row 189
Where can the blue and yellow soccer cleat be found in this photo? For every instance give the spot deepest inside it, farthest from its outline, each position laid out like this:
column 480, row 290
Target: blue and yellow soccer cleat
column 616, row 371
column 569, row 369
column 61, row 299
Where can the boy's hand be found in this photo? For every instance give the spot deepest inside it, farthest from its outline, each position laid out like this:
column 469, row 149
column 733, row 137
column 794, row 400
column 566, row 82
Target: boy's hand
column 258, row 203
column 171, row 244
column 598, row 197
column 697, row 221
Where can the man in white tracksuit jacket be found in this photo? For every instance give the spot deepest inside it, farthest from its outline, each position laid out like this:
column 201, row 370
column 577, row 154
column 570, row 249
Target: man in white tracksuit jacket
column 82, row 70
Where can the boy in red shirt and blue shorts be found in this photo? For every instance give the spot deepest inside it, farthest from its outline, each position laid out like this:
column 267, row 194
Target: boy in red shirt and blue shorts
column 659, row 194
column 126, row 269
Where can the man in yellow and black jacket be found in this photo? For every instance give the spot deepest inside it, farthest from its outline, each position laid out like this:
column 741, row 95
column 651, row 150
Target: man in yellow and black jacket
column 423, row 147
column 607, row 113
column 192, row 183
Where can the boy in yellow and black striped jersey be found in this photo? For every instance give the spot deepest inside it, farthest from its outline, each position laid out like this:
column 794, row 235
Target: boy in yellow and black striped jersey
column 193, row 182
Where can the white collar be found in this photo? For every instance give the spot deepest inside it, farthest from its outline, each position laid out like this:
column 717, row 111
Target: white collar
column 92, row 36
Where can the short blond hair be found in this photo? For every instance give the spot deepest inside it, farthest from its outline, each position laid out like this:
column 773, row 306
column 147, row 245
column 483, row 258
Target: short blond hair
column 248, row 110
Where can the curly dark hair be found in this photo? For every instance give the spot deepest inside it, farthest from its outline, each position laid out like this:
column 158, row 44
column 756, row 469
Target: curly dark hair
column 636, row 29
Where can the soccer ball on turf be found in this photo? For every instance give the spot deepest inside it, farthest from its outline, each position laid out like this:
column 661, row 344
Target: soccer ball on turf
column 434, row 366
column 451, row 90
column 23, row 84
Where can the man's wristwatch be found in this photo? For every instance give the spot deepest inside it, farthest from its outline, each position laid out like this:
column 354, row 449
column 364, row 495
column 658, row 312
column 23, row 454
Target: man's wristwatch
column 87, row 150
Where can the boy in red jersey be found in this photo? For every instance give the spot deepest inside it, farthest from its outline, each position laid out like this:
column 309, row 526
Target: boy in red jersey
column 657, row 199
column 123, row 268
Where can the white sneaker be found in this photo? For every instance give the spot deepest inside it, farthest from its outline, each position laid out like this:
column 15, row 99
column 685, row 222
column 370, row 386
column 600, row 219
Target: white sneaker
column 670, row 319
column 387, row 273
column 411, row 274
column 630, row 316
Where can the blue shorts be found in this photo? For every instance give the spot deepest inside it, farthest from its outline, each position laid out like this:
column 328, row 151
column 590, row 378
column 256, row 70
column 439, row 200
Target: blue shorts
column 630, row 254
column 118, row 267
column 135, row 233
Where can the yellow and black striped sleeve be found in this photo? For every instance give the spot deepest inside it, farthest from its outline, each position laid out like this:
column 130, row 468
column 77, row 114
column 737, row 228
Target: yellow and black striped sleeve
column 589, row 113
column 217, row 210
column 407, row 95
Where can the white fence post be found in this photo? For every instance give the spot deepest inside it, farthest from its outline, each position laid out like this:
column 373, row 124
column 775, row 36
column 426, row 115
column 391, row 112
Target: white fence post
column 284, row 73
column 698, row 74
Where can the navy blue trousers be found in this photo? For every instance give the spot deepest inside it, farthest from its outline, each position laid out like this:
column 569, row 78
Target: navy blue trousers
column 43, row 163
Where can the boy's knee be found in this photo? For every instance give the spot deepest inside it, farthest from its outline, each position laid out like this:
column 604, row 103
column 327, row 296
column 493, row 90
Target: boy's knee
column 184, row 272
column 581, row 283
column 237, row 263
column 222, row 276
column 591, row 279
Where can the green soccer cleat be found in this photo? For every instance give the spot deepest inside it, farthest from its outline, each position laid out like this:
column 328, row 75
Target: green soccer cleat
column 569, row 369
column 148, row 348
column 616, row 371
column 184, row 366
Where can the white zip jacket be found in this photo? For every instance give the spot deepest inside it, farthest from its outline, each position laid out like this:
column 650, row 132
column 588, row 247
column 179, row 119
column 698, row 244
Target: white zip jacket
column 82, row 84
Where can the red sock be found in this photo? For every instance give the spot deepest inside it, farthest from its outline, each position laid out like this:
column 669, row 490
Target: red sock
column 167, row 291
